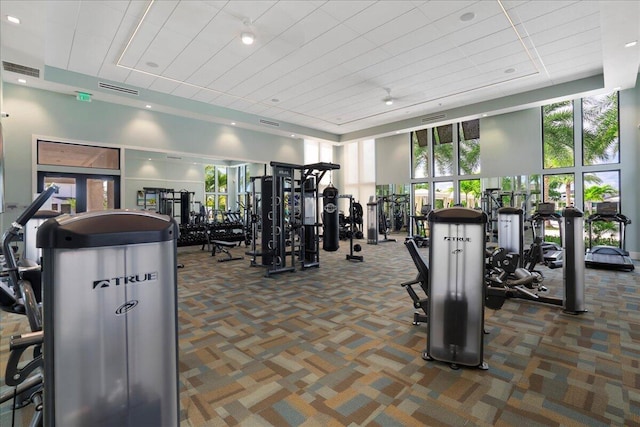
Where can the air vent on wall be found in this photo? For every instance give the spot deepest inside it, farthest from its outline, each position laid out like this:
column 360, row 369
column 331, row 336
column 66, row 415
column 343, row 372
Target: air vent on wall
column 120, row 89
column 269, row 123
column 433, row 118
column 20, row 69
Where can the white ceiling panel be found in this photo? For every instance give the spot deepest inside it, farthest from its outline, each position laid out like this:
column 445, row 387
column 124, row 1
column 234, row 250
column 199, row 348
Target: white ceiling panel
column 88, row 53
column 204, row 96
column 114, row 73
column 140, row 80
column 62, row 14
column 343, row 10
column 416, row 40
column 164, row 48
column 139, row 44
column 58, row 47
column 549, row 46
column 250, row 10
column 324, row 60
column 185, row 91
column 537, row 8
column 378, row 14
column 97, row 19
column 160, row 12
column 436, row 10
column 190, row 59
column 480, row 30
column 398, row 27
column 164, row 85
column 189, row 18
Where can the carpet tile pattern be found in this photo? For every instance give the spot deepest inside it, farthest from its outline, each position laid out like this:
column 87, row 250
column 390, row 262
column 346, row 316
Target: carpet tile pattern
column 335, row 346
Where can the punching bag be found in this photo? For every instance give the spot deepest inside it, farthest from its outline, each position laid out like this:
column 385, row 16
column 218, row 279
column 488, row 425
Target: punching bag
column 331, row 237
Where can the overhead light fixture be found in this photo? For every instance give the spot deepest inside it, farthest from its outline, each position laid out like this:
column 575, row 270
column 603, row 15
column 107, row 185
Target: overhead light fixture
column 293, row 135
column 23, row 81
column 147, row 106
column 248, row 38
column 388, row 100
column 13, row 19
column 233, row 123
column 631, row 44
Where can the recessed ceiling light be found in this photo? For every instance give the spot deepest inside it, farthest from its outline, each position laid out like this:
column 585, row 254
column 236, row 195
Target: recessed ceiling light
column 466, row 17
column 248, row 38
column 147, row 106
column 13, row 19
column 510, row 70
column 397, row 132
column 631, row 44
column 23, row 81
column 152, row 64
column 484, row 115
column 293, row 135
column 233, row 123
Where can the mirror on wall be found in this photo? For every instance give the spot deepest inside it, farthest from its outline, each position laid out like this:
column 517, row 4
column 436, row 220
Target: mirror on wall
column 394, row 207
column 215, row 186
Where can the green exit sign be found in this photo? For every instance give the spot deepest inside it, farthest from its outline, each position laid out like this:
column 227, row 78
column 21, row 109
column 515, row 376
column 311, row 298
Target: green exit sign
column 83, row 96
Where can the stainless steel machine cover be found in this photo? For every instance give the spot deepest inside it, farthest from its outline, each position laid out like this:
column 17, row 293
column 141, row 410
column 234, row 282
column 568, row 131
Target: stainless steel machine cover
column 110, row 319
column 456, row 286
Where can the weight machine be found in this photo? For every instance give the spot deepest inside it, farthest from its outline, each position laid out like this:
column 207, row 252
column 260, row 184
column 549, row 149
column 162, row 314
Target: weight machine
column 312, row 174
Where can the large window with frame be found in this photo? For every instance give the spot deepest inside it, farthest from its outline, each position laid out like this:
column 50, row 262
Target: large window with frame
column 216, row 190
column 600, row 138
column 470, row 191
column 559, row 189
column 421, row 153
column 557, row 135
column 442, row 137
column 469, row 147
column 602, row 186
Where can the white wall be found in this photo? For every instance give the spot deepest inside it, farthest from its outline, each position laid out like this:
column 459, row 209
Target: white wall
column 511, row 144
column 393, row 160
column 60, row 116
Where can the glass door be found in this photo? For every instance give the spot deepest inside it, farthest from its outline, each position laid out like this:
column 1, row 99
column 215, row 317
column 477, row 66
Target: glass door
column 81, row 193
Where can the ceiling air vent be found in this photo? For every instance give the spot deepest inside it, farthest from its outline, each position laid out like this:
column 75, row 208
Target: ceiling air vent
column 120, row 89
column 269, row 123
column 433, row 118
column 20, row 69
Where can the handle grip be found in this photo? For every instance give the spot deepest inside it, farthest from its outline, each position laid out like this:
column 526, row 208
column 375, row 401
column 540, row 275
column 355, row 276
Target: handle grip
column 36, row 205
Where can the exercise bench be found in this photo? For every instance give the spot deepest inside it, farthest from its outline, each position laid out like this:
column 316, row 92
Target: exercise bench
column 220, row 246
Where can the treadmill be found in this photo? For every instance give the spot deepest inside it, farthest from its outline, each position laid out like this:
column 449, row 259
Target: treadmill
column 608, row 257
column 551, row 254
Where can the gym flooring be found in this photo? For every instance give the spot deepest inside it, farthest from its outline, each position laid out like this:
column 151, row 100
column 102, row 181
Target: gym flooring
column 335, row 346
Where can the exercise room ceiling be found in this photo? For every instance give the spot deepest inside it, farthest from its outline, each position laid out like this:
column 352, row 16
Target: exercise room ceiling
column 321, row 65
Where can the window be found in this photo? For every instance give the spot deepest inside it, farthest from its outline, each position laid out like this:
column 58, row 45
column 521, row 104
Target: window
column 443, row 194
column 600, row 122
column 469, row 147
column 470, row 193
column 420, row 153
column 83, row 156
column 216, row 190
column 559, row 189
column 442, row 150
column 557, row 135
column 600, row 187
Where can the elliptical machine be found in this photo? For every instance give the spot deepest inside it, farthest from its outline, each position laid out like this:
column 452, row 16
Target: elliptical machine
column 22, row 296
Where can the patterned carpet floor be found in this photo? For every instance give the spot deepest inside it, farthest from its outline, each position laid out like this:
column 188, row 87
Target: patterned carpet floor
column 335, row 346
